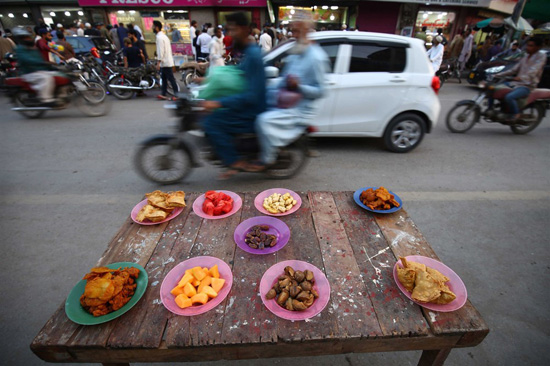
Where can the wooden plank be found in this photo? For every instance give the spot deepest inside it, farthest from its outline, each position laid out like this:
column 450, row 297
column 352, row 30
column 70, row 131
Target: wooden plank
column 405, row 239
column 342, row 271
column 434, row 357
column 397, row 315
column 304, row 246
column 246, row 319
column 215, row 238
column 143, row 326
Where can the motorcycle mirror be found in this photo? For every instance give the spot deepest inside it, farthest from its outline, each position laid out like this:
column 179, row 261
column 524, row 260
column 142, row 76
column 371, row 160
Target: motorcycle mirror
column 94, row 52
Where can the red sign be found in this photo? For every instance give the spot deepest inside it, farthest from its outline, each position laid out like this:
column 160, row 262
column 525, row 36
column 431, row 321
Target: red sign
column 173, row 3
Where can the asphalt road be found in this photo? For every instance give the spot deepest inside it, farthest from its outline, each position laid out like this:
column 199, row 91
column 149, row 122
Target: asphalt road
column 481, row 199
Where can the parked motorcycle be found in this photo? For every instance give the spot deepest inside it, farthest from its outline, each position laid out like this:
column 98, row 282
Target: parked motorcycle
column 8, row 68
column 193, row 69
column 125, row 82
column 448, row 69
column 168, row 159
column 71, row 87
column 466, row 113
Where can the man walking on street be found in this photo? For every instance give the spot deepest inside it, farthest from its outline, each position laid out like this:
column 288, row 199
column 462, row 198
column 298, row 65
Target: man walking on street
column 466, row 49
column 165, row 61
column 203, row 41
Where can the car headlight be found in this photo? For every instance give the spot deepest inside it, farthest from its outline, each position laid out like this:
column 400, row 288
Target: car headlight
column 494, row 70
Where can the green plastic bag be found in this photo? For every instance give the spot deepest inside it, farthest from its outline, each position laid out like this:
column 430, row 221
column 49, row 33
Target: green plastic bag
column 223, row 81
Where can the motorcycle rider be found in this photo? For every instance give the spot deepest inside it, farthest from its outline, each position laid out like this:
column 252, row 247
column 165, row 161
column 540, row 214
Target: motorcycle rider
column 34, row 69
column 236, row 114
column 528, row 72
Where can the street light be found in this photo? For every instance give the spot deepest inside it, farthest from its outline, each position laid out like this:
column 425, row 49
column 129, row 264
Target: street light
column 52, row 13
column 11, row 15
column 25, row 15
column 81, row 13
column 68, row 13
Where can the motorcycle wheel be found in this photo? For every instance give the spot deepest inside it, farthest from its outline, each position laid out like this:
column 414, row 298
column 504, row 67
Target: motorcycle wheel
column 121, row 93
column 189, row 76
column 462, row 117
column 536, row 111
column 20, row 100
column 162, row 163
column 95, row 93
column 290, row 161
column 92, row 108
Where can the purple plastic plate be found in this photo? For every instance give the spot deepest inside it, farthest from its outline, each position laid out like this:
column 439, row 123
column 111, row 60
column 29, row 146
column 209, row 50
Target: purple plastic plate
column 276, row 227
column 259, row 201
column 140, row 205
column 321, row 286
column 455, row 284
column 175, row 275
column 237, row 204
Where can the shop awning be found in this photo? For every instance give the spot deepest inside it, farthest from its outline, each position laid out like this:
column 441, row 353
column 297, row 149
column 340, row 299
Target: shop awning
column 522, row 26
column 537, row 9
column 484, row 23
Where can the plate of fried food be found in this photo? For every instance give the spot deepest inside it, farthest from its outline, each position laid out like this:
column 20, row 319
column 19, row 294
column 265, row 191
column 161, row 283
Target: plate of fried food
column 105, row 293
column 294, row 290
column 377, row 199
column 158, row 207
column 430, row 283
column 278, row 202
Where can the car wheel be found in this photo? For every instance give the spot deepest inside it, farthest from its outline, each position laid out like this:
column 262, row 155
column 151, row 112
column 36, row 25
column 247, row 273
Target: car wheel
column 404, row 133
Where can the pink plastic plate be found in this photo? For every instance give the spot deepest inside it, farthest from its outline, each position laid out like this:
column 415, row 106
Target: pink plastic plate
column 140, row 205
column 259, row 201
column 321, row 286
column 455, row 284
column 237, row 204
column 175, row 275
column 276, row 227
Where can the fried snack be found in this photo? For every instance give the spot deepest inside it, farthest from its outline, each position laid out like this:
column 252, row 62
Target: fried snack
column 158, row 199
column 151, row 213
column 379, row 199
column 176, row 199
column 428, row 284
column 108, row 289
column 279, row 203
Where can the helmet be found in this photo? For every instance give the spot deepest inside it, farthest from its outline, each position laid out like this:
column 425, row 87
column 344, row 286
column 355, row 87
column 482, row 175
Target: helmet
column 20, row 32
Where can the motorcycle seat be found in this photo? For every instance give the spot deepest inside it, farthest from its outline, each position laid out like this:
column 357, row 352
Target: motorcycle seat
column 536, row 94
column 20, row 82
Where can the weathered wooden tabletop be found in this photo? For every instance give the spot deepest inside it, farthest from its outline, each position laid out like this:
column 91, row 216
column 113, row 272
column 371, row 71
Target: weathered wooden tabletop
column 356, row 250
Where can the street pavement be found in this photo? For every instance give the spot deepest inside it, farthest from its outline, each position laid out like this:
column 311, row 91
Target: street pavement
column 482, row 199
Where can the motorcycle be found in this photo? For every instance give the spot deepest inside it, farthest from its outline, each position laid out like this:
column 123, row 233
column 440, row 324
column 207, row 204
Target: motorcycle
column 193, row 69
column 70, row 87
column 168, row 159
column 8, row 68
column 125, row 82
column 466, row 113
column 448, row 69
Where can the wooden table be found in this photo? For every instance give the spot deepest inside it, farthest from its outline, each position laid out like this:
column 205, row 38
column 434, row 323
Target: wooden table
column 356, row 250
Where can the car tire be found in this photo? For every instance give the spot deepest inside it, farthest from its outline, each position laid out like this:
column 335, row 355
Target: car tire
column 404, row 133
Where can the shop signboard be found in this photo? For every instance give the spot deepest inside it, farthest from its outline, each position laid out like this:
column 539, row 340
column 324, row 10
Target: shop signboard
column 174, row 3
column 477, row 3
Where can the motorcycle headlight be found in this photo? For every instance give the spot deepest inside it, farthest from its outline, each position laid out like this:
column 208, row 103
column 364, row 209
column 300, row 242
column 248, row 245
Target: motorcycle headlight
column 494, row 70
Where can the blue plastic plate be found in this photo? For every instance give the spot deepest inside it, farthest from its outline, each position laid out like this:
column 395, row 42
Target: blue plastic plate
column 358, row 192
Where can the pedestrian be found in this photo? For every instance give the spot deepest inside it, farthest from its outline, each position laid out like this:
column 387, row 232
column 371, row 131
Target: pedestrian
column 255, row 31
column 72, row 31
column 114, row 36
column 88, row 30
column 176, row 35
column 228, row 44
column 133, row 27
column 466, row 51
column 422, row 34
column 68, row 51
column 495, row 49
column 266, row 42
column 456, row 45
column 483, row 54
column 210, row 29
column 80, row 30
column 6, row 46
column 293, row 99
column 269, row 30
column 139, row 32
column 43, row 46
column 512, row 51
column 435, row 53
column 133, row 57
column 196, row 47
column 165, row 61
column 139, row 43
column 192, row 36
column 216, row 49
column 282, row 29
column 237, row 113
column 122, row 33
column 203, row 41
column 443, row 38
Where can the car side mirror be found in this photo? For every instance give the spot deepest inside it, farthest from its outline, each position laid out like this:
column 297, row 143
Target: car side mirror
column 271, row 72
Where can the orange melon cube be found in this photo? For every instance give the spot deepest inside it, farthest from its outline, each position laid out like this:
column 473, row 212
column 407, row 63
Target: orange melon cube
column 209, row 291
column 214, row 271
column 178, row 290
column 205, row 282
column 205, row 269
column 201, row 298
column 188, row 271
column 196, row 283
column 183, row 301
column 189, row 290
column 198, row 273
column 186, row 278
column 217, row 284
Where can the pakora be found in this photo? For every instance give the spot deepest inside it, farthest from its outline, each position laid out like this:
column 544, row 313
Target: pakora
column 379, row 199
column 160, row 205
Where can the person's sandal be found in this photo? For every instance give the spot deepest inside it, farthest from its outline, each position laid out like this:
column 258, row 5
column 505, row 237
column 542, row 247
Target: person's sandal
column 162, row 97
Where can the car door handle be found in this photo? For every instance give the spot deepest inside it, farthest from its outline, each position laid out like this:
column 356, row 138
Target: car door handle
column 397, row 80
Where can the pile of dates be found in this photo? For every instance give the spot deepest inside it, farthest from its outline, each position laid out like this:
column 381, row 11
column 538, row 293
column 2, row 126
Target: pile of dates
column 294, row 290
column 257, row 239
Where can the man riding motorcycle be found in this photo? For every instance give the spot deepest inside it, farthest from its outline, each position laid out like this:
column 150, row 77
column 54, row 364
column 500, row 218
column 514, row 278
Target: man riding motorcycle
column 236, row 114
column 528, row 72
column 37, row 72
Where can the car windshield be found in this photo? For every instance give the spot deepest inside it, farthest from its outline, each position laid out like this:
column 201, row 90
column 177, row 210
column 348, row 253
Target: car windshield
column 102, row 43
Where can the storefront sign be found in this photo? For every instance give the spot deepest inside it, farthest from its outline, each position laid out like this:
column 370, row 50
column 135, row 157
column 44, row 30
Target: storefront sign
column 479, row 3
column 174, row 3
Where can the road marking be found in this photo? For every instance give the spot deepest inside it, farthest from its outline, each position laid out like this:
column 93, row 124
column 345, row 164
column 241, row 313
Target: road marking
column 80, row 199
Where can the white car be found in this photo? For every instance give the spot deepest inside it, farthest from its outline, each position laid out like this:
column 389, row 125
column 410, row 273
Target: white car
column 380, row 85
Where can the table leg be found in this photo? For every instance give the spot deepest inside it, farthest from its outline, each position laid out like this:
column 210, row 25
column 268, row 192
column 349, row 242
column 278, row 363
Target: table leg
column 434, row 357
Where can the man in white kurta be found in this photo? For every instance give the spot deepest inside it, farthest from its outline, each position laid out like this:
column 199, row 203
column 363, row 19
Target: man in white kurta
column 435, row 54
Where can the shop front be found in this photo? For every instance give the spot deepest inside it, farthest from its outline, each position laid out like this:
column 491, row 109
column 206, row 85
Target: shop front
column 33, row 12
column 326, row 15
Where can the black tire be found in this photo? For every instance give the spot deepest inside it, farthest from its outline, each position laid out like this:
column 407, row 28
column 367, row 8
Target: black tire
column 95, row 93
column 188, row 76
column 158, row 163
column 121, row 93
column 537, row 113
column 404, row 133
column 290, row 161
column 463, row 117
column 20, row 101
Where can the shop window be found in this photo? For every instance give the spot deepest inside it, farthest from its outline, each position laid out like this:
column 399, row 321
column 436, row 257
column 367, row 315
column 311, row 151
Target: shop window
column 377, row 58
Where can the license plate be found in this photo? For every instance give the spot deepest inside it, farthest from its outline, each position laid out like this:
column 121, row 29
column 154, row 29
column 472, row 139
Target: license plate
column 79, row 85
column 472, row 75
